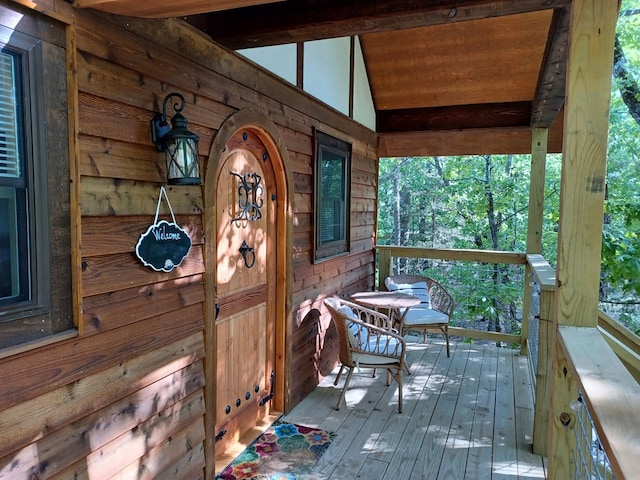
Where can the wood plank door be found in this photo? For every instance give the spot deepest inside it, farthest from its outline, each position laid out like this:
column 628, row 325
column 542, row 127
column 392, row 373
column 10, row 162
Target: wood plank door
column 246, row 226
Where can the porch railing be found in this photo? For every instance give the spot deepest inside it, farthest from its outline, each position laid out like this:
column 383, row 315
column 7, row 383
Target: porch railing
column 444, row 265
column 597, row 436
column 595, row 369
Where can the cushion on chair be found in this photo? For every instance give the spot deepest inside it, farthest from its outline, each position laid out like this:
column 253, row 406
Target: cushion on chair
column 353, row 328
column 386, row 346
column 418, row 289
column 420, row 315
column 348, row 312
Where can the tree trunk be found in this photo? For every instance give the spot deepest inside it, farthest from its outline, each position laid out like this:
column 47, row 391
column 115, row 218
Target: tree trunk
column 627, row 85
column 494, row 321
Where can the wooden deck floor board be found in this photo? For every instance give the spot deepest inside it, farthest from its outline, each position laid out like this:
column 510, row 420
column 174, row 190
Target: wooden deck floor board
column 454, row 458
column 457, row 412
column 433, row 446
column 505, row 460
column 421, row 361
column 406, row 456
column 530, row 466
column 480, row 447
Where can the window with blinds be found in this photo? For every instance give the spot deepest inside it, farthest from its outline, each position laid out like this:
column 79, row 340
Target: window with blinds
column 9, row 155
column 14, row 253
column 332, row 196
column 34, row 185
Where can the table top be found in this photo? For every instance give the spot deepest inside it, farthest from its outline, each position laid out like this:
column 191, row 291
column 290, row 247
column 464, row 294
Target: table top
column 385, row 299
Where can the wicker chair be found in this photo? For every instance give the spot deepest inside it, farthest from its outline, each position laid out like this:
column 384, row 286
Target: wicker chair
column 366, row 341
column 435, row 311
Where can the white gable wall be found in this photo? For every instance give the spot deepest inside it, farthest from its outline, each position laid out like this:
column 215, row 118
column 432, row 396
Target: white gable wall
column 363, row 109
column 325, row 73
column 279, row 59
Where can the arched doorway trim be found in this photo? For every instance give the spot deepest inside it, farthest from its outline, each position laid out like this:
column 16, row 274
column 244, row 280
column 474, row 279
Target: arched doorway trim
column 266, row 130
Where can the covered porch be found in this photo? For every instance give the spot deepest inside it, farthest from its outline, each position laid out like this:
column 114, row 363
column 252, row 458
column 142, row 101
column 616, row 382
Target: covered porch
column 136, row 331
column 469, row 416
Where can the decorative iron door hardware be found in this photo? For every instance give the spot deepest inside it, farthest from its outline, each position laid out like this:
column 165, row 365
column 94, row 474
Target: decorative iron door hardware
column 219, row 436
column 246, row 250
column 249, row 197
column 268, row 398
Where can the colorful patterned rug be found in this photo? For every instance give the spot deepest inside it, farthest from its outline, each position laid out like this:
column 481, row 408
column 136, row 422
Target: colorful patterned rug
column 286, row 451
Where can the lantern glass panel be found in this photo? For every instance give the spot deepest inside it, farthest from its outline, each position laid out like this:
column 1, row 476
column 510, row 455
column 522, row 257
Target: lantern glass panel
column 182, row 161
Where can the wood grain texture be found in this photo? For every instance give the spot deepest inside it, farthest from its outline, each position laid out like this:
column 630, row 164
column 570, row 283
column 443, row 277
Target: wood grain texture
column 608, row 390
column 137, row 326
column 90, row 392
column 120, row 234
column 584, row 162
column 116, row 309
column 75, row 441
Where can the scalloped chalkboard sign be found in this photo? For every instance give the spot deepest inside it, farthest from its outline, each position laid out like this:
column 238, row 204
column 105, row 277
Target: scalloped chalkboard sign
column 163, row 246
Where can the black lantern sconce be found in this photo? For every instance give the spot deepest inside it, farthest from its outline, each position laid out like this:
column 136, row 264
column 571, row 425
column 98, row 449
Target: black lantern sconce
column 179, row 144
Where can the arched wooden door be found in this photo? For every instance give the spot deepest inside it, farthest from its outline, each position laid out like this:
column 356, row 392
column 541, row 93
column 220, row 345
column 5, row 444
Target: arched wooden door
column 245, row 282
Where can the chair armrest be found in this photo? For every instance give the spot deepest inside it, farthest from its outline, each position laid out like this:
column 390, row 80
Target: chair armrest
column 377, row 340
column 441, row 300
column 370, row 316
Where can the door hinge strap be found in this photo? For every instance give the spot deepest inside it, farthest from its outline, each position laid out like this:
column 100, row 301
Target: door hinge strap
column 268, row 398
column 220, row 434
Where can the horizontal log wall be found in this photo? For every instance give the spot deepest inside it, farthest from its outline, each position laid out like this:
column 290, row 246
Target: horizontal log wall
column 124, row 398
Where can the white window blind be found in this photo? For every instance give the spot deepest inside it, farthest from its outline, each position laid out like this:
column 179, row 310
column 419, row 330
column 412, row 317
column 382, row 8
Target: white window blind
column 9, row 158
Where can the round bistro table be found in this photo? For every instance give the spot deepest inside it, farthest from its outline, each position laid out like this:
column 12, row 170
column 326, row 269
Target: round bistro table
column 397, row 303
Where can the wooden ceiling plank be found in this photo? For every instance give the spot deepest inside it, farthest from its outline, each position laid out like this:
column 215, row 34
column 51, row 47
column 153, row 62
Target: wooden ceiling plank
column 494, row 60
column 490, row 115
column 165, row 8
column 306, row 20
column 550, row 92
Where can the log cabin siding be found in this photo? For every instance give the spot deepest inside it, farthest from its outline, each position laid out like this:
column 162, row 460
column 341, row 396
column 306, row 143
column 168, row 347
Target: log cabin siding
column 125, row 398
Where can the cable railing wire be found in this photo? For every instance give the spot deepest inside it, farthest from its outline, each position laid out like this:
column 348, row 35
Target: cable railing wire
column 589, row 459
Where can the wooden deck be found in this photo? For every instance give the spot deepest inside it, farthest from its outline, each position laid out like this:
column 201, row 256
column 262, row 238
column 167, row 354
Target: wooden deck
column 465, row 417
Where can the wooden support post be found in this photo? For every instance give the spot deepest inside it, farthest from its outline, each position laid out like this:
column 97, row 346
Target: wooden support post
column 384, row 266
column 561, row 438
column 539, row 138
column 546, row 332
column 588, row 92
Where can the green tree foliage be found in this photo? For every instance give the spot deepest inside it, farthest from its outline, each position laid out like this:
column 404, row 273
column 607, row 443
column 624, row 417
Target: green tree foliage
column 621, row 234
column 466, row 202
column 481, row 201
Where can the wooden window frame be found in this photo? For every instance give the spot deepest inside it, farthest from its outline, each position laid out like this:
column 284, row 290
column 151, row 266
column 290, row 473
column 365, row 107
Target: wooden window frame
column 326, row 145
column 47, row 314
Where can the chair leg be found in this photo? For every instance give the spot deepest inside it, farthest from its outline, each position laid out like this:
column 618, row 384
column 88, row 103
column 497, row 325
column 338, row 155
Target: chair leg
column 338, row 376
column 398, row 378
column 344, row 389
column 446, row 337
column 406, row 367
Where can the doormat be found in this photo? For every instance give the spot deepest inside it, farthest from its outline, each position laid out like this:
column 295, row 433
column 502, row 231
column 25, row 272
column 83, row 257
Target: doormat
column 286, row 451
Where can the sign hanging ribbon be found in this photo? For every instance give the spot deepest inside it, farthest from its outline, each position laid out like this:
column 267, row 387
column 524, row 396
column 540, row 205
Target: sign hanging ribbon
column 165, row 244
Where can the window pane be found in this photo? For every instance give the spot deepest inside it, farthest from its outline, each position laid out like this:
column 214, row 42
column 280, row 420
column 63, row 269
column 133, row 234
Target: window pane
column 14, row 252
column 9, row 157
column 13, row 255
column 332, row 196
column 332, row 200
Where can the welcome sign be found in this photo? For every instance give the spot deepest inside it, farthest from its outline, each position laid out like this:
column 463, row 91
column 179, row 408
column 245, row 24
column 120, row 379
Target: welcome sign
column 165, row 244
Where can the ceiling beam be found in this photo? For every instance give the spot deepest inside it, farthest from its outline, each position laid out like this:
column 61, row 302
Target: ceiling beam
column 550, row 92
column 486, row 141
column 304, row 20
column 490, row 115
column 163, row 8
